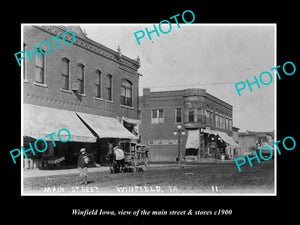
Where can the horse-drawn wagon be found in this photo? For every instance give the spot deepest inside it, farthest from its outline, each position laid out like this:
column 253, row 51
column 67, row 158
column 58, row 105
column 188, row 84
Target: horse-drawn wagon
column 136, row 158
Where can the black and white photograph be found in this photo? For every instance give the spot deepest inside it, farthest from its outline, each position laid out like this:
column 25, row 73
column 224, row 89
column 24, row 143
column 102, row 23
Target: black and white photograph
column 171, row 109
column 142, row 112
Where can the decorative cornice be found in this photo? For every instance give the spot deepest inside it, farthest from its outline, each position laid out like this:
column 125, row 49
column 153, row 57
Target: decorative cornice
column 95, row 47
column 51, row 101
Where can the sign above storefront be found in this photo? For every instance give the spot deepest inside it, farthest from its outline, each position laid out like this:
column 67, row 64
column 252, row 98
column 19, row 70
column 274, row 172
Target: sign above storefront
column 164, row 141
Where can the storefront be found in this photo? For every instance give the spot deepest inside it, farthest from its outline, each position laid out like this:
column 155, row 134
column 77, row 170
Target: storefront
column 96, row 133
column 209, row 144
column 109, row 132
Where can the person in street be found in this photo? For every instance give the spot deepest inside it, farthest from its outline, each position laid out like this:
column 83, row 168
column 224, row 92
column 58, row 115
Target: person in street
column 83, row 161
column 120, row 157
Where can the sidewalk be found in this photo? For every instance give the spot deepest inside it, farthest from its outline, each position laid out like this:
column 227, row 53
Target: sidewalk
column 44, row 173
column 27, row 173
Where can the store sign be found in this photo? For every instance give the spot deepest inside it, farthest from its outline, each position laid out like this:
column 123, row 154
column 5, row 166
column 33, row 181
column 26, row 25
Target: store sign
column 164, row 142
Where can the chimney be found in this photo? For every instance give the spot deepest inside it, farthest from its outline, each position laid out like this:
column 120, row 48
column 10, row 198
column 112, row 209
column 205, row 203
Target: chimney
column 146, row 97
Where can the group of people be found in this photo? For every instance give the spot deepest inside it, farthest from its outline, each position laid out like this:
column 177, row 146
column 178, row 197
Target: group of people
column 116, row 159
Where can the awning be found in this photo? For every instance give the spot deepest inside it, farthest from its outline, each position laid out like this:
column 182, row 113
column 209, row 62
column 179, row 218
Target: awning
column 129, row 120
column 136, row 124
column 207, row 131
column 193, row 139
column 39, row 121
column 229, row 140
column 106, row 127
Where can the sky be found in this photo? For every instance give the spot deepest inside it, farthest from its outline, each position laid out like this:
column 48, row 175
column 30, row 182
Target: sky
column 209, row 56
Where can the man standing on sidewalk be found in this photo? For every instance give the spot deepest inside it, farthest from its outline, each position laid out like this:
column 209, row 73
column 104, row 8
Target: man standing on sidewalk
column 83, row 161
column 120, row 157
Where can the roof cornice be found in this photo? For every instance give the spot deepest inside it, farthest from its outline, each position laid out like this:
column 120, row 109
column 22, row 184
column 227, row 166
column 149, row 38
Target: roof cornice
column 124, row 62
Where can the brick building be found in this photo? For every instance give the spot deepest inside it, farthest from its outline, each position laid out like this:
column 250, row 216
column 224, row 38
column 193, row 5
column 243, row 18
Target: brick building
column 206, row 120
column 85, row 87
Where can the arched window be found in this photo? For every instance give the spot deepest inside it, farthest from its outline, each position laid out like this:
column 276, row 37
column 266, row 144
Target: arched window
column 126, row 93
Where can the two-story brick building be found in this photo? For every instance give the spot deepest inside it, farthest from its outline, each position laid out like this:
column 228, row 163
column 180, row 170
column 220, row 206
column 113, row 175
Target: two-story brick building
column 85, row 87
column 206, row 120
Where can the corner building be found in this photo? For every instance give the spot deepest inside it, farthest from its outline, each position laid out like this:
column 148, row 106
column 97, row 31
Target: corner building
column 85, row 87
column 205, row 119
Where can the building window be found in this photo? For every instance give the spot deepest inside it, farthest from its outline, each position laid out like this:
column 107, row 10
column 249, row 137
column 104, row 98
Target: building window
column 178, row 115
column 198, row 115
column 222, row 122
column 80, row 78
column 65, row 74
column 157, row 116
column 24, row 61
column 40, row 68
column 226, row 124
column 207, row 116
column 230, row 124
column 109, row 87
column 98, row 84
column 192, row 115
column 217, row 120
column 211, row 118
column 126, row 93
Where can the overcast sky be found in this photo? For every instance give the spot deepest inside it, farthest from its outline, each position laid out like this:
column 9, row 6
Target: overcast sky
column 209, row 56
